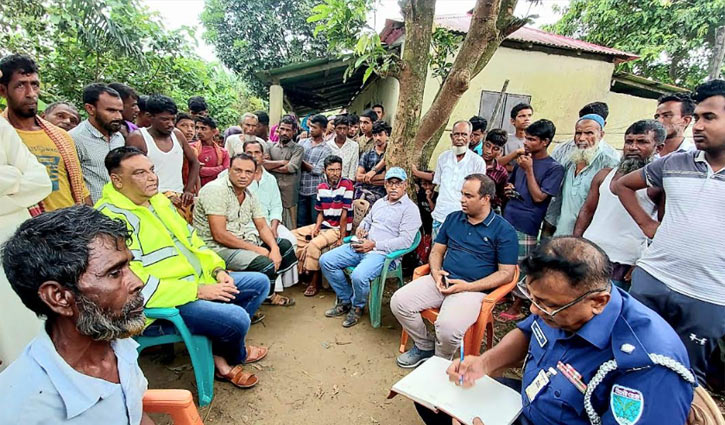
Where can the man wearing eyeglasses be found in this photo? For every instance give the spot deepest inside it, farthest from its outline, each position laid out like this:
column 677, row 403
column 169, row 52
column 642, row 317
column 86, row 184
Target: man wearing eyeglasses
column 590, row 352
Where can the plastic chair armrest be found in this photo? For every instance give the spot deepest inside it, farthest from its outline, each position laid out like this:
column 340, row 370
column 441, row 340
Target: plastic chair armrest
column 347, row 239
column 165, row 400
column 501, row 291
column 161, row 313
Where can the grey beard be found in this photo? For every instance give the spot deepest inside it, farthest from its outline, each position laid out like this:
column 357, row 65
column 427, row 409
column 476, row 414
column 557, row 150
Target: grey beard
column 583, row 155
column 102, row 325
column 631, row 163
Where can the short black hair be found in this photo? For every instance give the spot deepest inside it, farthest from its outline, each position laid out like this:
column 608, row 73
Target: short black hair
column 599, row 108
column 11, row 64
column 92, row 92
column 158, row 104
column 207, row 121
column 497, row 136
column 687, row 105
column 341, row 120
column 263, row 117
column 518, row 108
column 289, row 120
column 645, row 126
column 584, row 264
column 181, row 116
column 332, row 159
column 543, row 129
column 486, row 187
column 244, row 157
column 197, row 104
column 116, row 156
column 353, row 119
column 124, row 90
column 380, row 126
column 370, row 114
column 49, row 108
column 318, row 119
column 54, row 246
column 142, row 103
column 252, row 142
column 478, row 123
column 377, row 105
column 709, row 89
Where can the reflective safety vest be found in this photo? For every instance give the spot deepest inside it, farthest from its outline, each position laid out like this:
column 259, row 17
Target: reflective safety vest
column 168, row 255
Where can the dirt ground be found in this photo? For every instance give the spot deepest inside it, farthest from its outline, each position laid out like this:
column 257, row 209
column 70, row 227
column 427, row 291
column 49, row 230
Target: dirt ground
column 317, row 372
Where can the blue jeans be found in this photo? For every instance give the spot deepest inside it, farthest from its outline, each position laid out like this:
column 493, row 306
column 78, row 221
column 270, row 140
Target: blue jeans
column 306, row 213
column 225, row 324
column 367, row 268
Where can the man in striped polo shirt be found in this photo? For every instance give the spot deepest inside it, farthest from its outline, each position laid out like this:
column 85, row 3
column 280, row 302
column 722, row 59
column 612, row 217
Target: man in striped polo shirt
column 334, row 221
column 681, row 276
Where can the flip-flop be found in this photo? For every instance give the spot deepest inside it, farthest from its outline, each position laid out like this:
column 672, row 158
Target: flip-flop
column 288, row 302
column 255, row 354
column 257, row 317
column 311, row 291
column 238, row 377
column 508, row 317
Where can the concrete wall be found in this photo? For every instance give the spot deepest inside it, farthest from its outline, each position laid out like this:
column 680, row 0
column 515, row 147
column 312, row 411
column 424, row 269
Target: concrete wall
column 383, row 91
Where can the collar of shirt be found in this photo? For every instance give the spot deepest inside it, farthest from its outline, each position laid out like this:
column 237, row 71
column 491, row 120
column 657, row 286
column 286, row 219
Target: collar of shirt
column 97, row 133
column 399, row 201
column 486, row 221
column 79, row 392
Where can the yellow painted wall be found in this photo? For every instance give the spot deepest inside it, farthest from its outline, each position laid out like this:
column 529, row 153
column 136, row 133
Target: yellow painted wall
column 383, row 91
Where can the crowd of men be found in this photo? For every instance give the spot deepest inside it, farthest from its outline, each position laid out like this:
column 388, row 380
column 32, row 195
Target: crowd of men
column 141, row 205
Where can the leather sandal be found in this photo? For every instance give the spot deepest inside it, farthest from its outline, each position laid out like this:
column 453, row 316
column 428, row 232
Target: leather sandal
column 239, row 377
column 255, row 354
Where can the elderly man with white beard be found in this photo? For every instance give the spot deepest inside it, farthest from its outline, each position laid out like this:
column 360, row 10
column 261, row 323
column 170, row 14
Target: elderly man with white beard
column 603, row 219
column 584, row 163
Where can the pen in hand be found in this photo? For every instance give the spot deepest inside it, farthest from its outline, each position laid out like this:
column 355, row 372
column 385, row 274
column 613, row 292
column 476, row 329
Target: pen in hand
column 460, row 379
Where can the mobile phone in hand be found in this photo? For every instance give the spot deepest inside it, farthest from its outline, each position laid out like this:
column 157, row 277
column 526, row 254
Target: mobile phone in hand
column 354, row 240
column 446, row 284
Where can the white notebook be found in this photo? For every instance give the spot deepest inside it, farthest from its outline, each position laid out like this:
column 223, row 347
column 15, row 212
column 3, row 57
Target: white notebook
column 428, row 385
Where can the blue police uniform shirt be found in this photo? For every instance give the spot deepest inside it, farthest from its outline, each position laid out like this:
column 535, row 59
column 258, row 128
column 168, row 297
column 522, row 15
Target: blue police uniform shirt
column 637, row 392
column 474, row 251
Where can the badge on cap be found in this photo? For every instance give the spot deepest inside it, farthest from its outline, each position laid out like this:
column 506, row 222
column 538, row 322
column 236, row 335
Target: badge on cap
column 538, row 334
column 627, row 405
column 627, row 348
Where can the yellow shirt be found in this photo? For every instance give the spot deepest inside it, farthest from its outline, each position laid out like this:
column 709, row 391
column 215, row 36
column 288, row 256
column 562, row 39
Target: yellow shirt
column 40, row 144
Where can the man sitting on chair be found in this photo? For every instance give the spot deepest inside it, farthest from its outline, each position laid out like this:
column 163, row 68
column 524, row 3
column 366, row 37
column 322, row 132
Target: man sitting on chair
column 475, row 251
column 390, row 225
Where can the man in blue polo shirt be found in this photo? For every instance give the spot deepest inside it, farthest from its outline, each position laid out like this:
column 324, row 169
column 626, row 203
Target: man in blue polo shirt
column 475, row 251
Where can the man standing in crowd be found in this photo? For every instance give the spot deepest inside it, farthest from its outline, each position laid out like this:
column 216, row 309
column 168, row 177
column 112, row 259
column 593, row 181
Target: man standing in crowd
column 230, row 220
column 584, row 163
column 262, row 130
column 474, row 253
column 99, row 134
column 54, row 148
column 478, row 133
column 167, row 148
column 334, row 220
column 345, row 147
column 197, row 106
column 62, row 114
column 451, row 170
column 285, row 163
column 186, row 124
column 369, row 180
column 235, row 143
column 675, row 111
column 379, row 111
column 72, row 266
column 520, row 119
column 492, row 149
column 584, row 330
column 681, row 274
column 179, row 271
column 390, row 225
column 144, row 118
column 130, row 107
column 365, row 140
column 353, row 129
column 535, row 179
column 313, row 169
column 604, row 221
column 212, row 158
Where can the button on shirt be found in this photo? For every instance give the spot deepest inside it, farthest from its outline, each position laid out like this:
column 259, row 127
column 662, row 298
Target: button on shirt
column 449, row 176
column 92, row 148
column 314, row 155
column 474, row 251
column 624, row 325
column 41, row 388
column 392, row 226
column 219, row 198
column 350, row 154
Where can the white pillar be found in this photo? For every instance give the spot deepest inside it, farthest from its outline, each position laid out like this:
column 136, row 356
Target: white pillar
column 276, row 100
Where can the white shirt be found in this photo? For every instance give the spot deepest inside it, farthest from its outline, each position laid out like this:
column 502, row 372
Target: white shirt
column 449, row 176
column 687, row 145
column 235, row 144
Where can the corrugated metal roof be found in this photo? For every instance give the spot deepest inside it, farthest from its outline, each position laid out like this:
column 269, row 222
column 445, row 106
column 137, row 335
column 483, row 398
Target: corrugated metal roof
column 461, row 23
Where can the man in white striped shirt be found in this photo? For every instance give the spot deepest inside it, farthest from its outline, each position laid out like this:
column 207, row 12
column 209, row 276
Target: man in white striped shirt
column 682, row 274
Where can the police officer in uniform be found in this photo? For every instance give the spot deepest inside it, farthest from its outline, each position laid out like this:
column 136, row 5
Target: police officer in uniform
column 590, row 352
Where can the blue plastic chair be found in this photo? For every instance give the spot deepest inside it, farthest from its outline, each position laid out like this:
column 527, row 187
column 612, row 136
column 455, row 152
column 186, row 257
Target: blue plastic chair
column 375, row 299
column 199, row 348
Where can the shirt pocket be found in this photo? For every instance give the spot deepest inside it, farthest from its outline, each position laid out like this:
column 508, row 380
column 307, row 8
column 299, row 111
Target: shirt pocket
column 568, row 398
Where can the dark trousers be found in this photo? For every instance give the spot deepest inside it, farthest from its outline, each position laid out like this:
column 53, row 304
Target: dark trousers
column 265, row 265
column 306, row 213
column 431, row 418
column 700, row 325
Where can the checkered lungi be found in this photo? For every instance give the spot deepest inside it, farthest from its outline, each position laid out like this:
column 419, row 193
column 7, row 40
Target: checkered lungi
column 527, row 243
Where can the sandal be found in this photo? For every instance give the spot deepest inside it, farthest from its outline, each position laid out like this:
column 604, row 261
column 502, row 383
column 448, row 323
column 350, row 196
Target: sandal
column 255, row 354
column 256, row 318
column 282, row 301
column 508, row 317
column 311, row 290
column 238, row 377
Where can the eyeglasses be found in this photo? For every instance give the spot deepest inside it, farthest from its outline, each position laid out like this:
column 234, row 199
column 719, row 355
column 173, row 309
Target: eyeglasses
column 524, row 290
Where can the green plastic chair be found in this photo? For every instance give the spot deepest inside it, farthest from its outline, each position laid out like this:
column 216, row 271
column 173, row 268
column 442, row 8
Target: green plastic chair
column 375, row 299
column 199, row 348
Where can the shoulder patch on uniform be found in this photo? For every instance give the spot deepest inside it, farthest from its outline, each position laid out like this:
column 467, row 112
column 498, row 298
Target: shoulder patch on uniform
column 627, row 405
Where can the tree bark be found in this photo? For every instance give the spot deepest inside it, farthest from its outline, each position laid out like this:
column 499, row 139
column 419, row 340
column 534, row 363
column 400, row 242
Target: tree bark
column 718, row 54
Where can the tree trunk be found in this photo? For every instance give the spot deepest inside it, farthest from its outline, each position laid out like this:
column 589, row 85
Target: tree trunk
column 718, row 54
